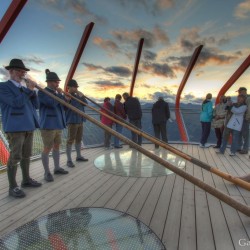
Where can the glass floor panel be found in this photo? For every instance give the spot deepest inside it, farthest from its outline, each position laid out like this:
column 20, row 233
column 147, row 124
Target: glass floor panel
column 130, row 162
column 83, row 228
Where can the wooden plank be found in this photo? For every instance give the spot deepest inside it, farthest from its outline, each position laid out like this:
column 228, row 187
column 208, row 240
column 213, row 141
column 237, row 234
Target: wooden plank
column 148, row 208
column 188, row 226
column 170, row 236
column 205, row 239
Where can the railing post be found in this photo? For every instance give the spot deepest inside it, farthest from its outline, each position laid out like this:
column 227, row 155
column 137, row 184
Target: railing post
column 79, row 52
column 180, row 123
column 10, row 16
column 137, row 60
column 233, row 78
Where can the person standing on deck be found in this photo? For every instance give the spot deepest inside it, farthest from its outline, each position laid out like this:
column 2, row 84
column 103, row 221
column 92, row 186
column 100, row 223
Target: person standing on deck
column 243, row 146
column 205, row 119
column 74, row 123
column 18, row 106
column 52, row 122
column 133, row 110
column 106, row 121
column 160, row 116
column 219, row 114
column 119, row 111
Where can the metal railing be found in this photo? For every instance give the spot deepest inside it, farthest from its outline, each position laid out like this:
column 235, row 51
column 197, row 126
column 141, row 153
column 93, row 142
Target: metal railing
column 94, row 136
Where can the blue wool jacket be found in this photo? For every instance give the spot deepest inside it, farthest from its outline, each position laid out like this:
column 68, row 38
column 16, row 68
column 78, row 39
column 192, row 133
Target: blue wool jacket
column 52, row 114
column 73, row 117
column 206, row 112
column 18, row 107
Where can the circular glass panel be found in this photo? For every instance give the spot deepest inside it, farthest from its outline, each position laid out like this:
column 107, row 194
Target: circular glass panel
column 83, row 228
column 130, row 162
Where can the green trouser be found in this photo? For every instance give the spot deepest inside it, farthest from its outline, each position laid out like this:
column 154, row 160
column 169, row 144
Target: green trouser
column 20, row 144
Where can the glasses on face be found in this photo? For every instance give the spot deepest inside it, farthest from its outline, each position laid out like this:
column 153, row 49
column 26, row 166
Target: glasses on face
column 21, row 71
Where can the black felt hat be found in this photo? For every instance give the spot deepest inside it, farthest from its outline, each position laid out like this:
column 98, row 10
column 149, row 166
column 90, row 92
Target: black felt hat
column 72, row 83
column 16, row 64
column 51, row 76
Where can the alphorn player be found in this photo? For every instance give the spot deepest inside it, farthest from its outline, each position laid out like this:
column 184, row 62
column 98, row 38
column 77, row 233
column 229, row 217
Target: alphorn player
column 74, row 123
column 52, row 122
column 19, row 117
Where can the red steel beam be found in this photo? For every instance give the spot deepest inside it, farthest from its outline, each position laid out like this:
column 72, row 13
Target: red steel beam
column 233, row 78
column 79, row 52
column 189, row 69
column 10, row 16
column 137, row 60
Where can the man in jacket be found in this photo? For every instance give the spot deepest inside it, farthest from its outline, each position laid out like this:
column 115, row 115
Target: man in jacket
column 133, row 110
column 19, row 117
column 160, row 115
column 52, row 122
column 74, row 123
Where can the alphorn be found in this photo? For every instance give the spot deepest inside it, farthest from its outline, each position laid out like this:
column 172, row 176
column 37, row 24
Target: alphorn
column 185, row 156
column 211, row 190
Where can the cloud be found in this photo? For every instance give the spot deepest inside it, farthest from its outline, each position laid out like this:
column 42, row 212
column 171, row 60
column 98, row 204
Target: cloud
column 151, row 6
column 116, row 70
column 58, row 26
column 169, row 97
column 77, row 7
column 32, row 59
column 150, row 38
column 107, row 45
column 4, row 75
column 120, row 71
column 159, row 69
column 109, row 84
column 242, row 11
column 148, row 55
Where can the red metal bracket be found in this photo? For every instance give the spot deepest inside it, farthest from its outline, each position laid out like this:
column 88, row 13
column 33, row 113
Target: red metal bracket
column 182, row 130
column 79, row 52
column 137, row 60
column 10, row 16
column 233, row 78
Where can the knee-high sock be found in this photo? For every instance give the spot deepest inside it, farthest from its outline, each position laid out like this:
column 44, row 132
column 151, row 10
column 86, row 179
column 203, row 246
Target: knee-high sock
column 25, row 165
column 56, row 158
column 78, row 150
column 68, row 152
column 45, row 161
column 11, row 171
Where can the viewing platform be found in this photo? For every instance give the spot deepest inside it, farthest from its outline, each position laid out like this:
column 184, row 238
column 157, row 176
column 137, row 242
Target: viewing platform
column 181, row 215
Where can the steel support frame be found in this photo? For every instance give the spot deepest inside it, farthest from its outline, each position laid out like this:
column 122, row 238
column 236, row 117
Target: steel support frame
column 180, row 123
column 236, row 75
column 137, row 60
column 79, row 52
column 10, row 16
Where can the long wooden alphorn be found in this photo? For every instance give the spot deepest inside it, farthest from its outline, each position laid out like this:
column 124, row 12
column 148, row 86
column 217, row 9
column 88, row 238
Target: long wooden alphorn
column 193, row 160
column 211, row 190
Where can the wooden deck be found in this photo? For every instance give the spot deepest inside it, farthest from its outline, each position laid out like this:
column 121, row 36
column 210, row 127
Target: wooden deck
column 182, row 215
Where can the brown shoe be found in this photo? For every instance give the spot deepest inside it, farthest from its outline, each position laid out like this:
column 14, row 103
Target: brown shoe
column 243, row 152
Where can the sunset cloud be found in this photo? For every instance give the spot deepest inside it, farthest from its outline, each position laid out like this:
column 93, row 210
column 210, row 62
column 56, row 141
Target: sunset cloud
column 242, row 11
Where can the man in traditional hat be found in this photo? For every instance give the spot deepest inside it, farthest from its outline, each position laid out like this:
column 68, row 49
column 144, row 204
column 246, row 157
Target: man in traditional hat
column 19, row 117
column 52, row 122
column 244, row 134
column 74, row 123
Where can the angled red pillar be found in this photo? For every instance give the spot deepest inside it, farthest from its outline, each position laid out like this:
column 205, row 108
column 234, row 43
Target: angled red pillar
column 181, row 126
column 10, row 16
column 79, row 52
column 137, row 60
column 233, row 78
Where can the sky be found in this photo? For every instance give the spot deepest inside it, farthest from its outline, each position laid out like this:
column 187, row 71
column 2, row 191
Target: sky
column 46, row 35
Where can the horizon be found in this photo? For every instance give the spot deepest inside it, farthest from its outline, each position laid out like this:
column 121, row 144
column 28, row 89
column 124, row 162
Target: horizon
column 46, row 34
